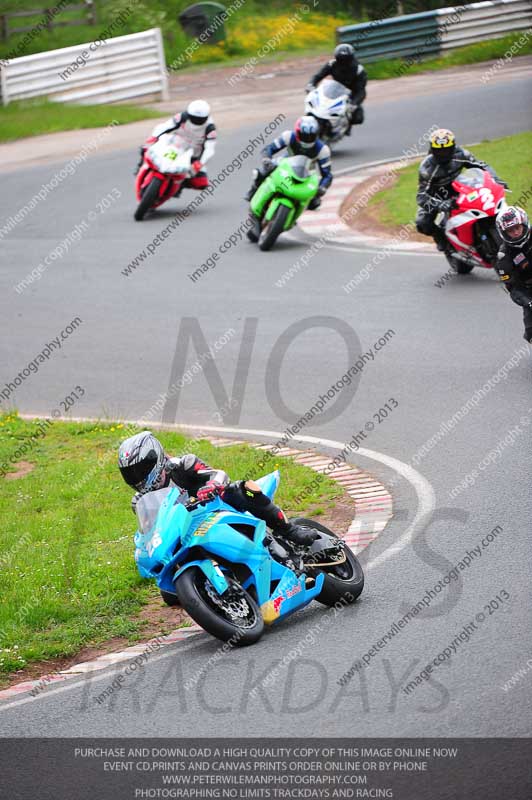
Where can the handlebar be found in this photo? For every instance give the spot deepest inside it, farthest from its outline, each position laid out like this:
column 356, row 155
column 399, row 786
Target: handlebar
column 197, row 503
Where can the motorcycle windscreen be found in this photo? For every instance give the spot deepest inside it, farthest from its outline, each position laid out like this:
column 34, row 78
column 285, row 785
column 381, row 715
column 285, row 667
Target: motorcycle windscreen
column 170, row 155
column 300, row 166
column 333, row 89
column 473, row 178
column 149, row 505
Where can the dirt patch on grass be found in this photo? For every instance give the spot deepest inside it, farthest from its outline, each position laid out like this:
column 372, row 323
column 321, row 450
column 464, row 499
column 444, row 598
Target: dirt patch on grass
column 368, row 220
column 22, row 468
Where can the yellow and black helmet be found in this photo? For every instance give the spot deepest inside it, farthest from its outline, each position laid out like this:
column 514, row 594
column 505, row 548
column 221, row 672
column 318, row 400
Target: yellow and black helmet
column 442, row 144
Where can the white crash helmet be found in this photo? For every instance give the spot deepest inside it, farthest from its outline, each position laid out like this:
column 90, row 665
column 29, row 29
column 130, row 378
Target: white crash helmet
column 198, row 112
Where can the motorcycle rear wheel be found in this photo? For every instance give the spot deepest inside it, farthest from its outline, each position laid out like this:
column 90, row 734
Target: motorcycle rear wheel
column 149, row 197
column 343, row 583
column 273, row 228
column 217, row 614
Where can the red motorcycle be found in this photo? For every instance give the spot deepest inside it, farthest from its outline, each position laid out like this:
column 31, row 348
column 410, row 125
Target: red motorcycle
column 166, row 166
column 470, row 228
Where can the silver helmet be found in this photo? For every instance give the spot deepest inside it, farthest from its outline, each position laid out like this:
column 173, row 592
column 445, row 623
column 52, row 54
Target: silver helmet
column 141, row 460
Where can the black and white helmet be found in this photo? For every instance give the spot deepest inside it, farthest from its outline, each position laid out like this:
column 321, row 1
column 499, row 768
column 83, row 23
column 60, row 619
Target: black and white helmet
column 141, row 460
column 513, row 226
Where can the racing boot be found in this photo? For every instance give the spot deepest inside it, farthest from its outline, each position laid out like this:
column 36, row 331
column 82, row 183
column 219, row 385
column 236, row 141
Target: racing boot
column 441, row 240
column 141, row 159
column 257, row 180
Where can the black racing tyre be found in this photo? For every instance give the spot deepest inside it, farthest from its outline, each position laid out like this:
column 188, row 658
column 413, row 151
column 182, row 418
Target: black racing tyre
column 460, row 267
column 273, row 228
column 169, row 598
column 254, row 232
column 463, row 268
column 236, row 619
column 149, row 197
column 342, row 583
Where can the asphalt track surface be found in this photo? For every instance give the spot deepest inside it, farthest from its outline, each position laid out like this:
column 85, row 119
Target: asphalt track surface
column 447, row 343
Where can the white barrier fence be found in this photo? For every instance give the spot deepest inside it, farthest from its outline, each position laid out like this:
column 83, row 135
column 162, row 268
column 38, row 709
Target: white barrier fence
column 103, row 71
column 481, row 21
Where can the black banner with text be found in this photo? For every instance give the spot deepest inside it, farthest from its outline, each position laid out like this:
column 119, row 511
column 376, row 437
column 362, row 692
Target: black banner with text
column 288, row 769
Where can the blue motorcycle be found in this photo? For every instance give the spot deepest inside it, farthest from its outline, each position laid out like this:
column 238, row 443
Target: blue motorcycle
column 227, row 571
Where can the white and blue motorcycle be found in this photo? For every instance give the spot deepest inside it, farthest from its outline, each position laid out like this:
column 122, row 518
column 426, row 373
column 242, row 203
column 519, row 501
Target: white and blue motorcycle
column 330, row 104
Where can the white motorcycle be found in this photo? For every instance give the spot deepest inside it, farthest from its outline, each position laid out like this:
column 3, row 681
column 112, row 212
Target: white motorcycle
column 330, row 104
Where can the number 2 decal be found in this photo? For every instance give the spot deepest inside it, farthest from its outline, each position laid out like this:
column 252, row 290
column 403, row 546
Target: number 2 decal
column 486, row 196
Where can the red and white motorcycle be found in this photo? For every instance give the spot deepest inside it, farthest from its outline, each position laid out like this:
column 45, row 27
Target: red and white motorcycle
column 166, row 166
column 470, row 228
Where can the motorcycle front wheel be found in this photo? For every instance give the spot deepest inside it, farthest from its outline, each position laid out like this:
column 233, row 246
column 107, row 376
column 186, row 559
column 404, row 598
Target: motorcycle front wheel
column 273, row 229
column 149, row 198
column 460, row 267
column 343, row 582
column 232, row 617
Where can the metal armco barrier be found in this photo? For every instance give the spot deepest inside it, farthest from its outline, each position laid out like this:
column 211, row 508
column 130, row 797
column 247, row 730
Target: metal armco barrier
column 103, row 71
column 431, row 32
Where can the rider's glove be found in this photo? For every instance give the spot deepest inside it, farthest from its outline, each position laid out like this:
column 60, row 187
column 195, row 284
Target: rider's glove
column 196, row 166
column 445, row 206
column 267, row 164
column 210, row 490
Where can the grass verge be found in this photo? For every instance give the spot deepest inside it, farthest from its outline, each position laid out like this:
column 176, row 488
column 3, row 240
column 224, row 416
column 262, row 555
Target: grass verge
column 34, row 117
column 510, row 157
column 67, row 569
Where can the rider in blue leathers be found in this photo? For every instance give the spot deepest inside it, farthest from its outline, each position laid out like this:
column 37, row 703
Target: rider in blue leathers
column 302, row 141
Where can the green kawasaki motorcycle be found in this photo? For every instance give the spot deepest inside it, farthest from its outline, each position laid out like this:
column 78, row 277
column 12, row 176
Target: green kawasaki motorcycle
column 281, row 199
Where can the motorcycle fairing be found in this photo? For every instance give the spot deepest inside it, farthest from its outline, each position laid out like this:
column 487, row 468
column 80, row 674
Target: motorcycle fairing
column 161, row 554
column 282, row 186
